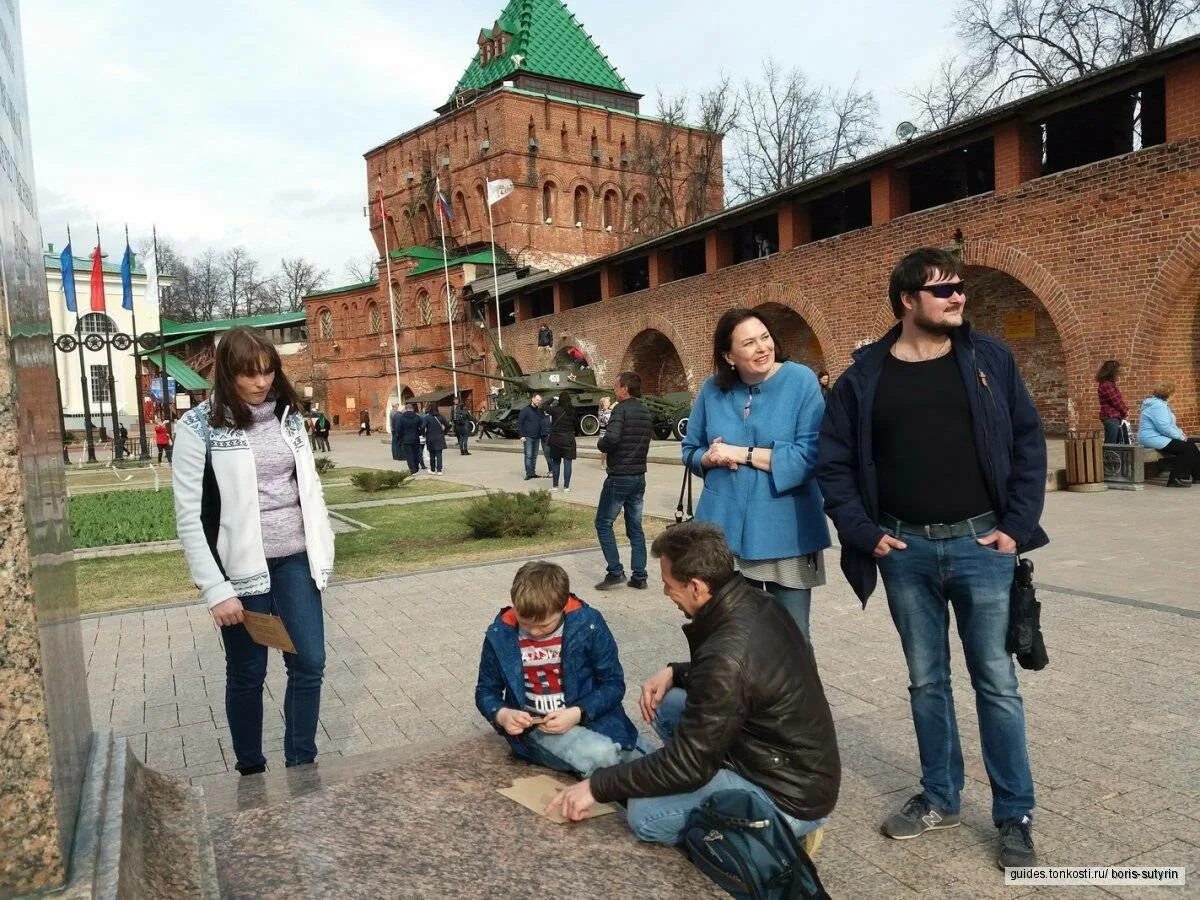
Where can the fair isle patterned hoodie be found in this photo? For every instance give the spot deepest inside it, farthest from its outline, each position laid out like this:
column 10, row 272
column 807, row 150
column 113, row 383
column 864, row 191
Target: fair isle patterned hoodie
column 239, row 539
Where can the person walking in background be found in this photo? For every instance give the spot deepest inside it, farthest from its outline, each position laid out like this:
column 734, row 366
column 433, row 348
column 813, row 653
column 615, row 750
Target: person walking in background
column 823, row 380
column 162, row 440
column 436, row 426
column 364, row 422
column 933, row 467
column 752, row 436
column 1158, row 430
column 561, row 444
column 462, row 425
column 394, row 426
column 529, row 426
column 603, row 414
column 1112, row 405
column 627, row 443
column 321, row 432
column 406, row 437
column 256, row 537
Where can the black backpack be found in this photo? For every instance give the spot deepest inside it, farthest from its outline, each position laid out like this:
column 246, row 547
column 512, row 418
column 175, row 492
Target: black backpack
column 745, row 845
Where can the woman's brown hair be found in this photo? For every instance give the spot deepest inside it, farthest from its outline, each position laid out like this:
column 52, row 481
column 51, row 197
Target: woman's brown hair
column 245, row 351
column 1108, row 370
column 726, row 376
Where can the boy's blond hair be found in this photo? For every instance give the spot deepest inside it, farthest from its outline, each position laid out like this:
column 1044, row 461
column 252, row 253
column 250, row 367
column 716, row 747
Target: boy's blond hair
column 539, row 590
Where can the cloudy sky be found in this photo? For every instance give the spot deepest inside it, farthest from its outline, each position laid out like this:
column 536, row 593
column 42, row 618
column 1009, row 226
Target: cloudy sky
column 233, row 122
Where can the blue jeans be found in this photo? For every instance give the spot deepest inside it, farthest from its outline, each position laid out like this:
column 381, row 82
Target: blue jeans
column 463, row 438
column 295, row 599
column 628, row 493
column 530, row 446
column 555, row 462
column 1112, row 431
column 797, row 602
column 579, row 750
column 922, row 583
column 663, row 819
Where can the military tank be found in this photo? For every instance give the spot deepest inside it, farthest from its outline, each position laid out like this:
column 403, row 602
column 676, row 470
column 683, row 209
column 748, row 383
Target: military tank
column 670, row 411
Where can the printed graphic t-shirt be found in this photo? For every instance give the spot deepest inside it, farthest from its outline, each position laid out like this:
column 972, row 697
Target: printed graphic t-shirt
column 541, row 658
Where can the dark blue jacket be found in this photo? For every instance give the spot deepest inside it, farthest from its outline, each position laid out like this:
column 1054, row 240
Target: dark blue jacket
column 592, row 676
column 529, row 422
column 1008, row 437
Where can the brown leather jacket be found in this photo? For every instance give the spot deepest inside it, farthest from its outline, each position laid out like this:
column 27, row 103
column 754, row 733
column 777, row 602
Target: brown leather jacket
column 755, row 705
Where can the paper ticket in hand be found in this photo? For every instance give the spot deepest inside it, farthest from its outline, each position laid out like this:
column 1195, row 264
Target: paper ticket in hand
column 268, row 630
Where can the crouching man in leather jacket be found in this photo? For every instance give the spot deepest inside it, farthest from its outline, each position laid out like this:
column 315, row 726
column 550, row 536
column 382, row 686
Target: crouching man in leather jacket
column 748, row 712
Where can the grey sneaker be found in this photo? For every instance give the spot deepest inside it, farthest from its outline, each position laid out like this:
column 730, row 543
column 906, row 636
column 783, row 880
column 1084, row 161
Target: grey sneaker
column 1016, row 844
column 610, row 582
column 917, row 817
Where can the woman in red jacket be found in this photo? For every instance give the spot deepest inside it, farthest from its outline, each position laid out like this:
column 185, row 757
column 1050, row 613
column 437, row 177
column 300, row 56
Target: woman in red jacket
column 1112, row 405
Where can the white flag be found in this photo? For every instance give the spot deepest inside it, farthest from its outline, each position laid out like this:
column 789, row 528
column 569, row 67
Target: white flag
column 498, row 190
column 151, row 267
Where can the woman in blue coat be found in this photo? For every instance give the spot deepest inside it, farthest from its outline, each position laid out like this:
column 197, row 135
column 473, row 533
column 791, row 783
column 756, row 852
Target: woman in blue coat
column 752, row 436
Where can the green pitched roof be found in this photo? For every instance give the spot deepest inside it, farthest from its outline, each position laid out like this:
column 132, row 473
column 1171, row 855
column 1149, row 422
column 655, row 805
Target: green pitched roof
column 271, row 320
column 551, row 42
column 425, row 266
column 185, row 376
column 83, row 265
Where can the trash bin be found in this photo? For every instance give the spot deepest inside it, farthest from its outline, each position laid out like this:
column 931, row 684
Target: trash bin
column 1085, row 461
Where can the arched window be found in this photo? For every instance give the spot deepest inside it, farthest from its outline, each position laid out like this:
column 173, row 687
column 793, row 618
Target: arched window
column 325, row 321
column 424, row 307
column 421, row 226
column 637, row 212
column 460, row 201
column 374, row 318
column 409, row 235
column 611, row 210
column 581, row 205
column 549, row 189
column 481, row 199
column 666, row 213
column 96, row 323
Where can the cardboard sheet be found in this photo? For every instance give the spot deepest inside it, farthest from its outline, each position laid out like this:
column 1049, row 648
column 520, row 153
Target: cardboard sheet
column 268, row 630
column 538, row 790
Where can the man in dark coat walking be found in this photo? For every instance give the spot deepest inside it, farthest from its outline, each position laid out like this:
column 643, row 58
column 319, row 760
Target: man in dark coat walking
column 407, row 429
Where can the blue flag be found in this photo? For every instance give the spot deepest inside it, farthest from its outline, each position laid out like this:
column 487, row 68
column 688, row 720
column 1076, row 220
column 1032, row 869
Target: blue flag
column 68, row 276
column 127, row 278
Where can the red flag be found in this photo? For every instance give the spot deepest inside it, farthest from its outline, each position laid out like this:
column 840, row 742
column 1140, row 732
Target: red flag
column 97, row 281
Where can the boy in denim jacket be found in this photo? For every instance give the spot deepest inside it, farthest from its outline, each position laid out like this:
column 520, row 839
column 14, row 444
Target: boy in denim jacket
column 550, row 680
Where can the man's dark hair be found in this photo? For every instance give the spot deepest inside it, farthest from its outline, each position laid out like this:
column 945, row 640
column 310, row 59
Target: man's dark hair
column 632, row 382
column 914, row 270
column 695, row 550
column 724, row 374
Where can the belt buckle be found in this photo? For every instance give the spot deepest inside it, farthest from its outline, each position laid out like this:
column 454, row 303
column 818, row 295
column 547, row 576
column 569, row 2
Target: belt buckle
column 928, row 532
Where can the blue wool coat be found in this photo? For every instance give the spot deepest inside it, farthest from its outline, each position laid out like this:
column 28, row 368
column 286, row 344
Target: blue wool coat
column 765, row 515
column 592, row 676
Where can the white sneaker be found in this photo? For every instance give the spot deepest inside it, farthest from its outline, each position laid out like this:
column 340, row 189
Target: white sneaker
column 568, row 490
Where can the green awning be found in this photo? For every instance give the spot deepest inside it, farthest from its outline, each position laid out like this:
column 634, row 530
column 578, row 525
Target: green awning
column 186, row 378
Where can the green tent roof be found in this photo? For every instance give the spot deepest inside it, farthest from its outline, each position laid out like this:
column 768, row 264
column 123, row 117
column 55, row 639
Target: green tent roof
column 271, row 320
column 483, row 257
column 83, row 265
column 551, row 43
column 185, row 376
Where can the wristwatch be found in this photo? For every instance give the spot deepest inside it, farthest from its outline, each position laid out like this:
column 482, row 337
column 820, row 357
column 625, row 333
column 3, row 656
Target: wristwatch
column 750, row 455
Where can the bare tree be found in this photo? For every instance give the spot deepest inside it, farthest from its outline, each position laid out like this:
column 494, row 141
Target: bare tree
column 362, row 268
column 297, row 278
column 206, row 279
column 792, row 130
column 717, row 109
column 238, row 268
column 658, row 156
column 957, row 91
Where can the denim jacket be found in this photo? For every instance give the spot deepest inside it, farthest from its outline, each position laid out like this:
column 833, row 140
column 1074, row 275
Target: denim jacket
column 591, row 670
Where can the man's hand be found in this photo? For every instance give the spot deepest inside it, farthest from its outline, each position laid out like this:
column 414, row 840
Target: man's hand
column 513, row 721
column 887, row 544
column 654, row 690
column 562, row 720
column 574, row 802
column 1002, row 541
column 228, row 612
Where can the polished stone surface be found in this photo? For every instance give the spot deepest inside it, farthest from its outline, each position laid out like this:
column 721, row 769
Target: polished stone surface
column 429, row 823
column 45, row 722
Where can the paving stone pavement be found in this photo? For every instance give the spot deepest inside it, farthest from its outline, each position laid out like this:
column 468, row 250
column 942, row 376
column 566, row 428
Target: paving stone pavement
column 1114, row 722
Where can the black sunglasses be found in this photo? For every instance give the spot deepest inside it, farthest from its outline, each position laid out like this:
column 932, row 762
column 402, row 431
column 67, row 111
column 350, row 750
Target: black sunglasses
column 947, row 290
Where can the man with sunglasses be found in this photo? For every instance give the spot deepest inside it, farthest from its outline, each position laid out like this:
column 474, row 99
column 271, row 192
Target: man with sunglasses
column 932, row 464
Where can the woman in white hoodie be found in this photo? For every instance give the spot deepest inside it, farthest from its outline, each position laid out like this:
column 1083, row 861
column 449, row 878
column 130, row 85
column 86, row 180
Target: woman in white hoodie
column 255, row 532
column 1158, row 430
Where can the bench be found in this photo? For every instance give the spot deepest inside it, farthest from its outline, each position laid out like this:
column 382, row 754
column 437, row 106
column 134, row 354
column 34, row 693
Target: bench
column 1127, row 467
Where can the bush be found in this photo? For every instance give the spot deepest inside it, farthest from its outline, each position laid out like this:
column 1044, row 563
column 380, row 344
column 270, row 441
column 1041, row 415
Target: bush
column 373, row 480
column 509, row 515
column 121, row 517
column 324, row 464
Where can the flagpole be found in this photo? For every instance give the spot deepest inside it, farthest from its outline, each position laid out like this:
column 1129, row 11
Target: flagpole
column 112, row 382
column 387, row 264
column 137, row 366
column 83, row 379
column 495, row 276
column 446, row 270
column 168, row 418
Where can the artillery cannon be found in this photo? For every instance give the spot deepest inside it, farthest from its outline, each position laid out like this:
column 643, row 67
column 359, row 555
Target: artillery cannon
column 670, row 411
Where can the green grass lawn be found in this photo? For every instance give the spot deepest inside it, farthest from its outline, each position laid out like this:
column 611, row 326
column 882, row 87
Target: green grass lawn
column 402, row 539
column 422, row 486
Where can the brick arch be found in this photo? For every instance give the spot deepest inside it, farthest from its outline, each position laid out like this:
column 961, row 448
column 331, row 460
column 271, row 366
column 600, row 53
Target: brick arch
column 1057, row 303
column 781, row 295
column 653, row 356
column 654, row 322
column 1169, row 292
column 794, row 334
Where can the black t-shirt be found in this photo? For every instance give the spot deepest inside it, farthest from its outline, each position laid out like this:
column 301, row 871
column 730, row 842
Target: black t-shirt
column 925, row 456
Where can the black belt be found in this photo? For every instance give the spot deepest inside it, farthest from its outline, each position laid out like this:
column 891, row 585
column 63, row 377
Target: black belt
column 978, row 525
